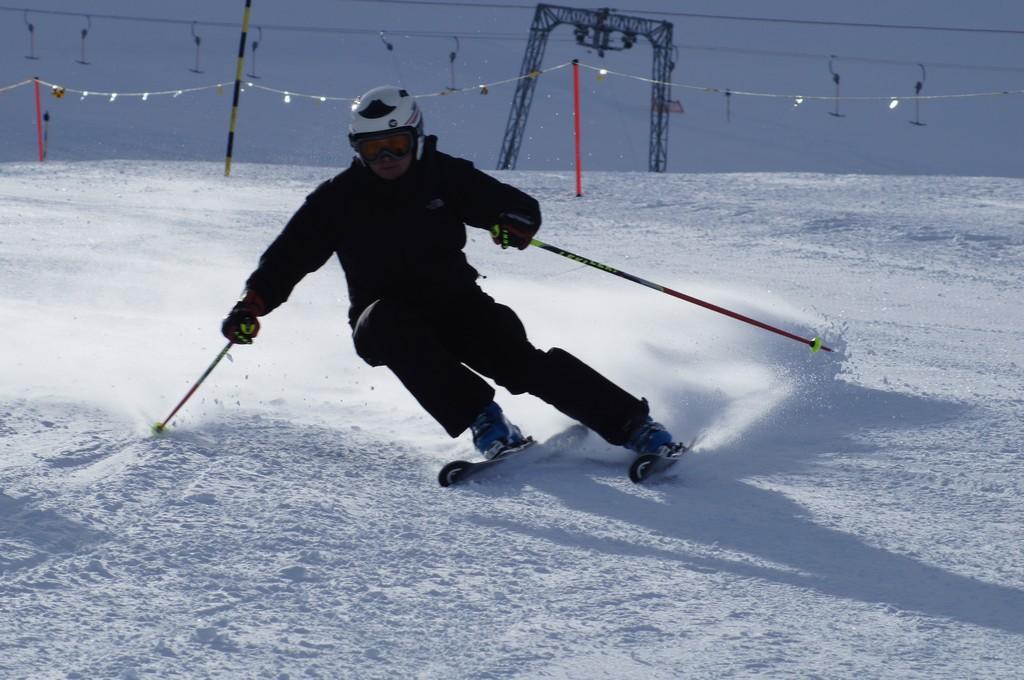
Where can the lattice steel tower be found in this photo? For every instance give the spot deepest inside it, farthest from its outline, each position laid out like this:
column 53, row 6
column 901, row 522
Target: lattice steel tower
column 594, row 29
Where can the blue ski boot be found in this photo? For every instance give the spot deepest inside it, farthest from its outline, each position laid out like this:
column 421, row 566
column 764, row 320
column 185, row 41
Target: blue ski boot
column 648, row 437
column 494, row 435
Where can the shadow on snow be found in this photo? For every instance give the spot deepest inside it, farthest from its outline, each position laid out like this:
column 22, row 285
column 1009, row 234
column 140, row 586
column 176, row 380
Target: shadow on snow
column 715, row 506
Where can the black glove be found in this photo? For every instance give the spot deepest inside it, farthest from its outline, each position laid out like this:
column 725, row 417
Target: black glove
column 514, row 229
column 241, row 325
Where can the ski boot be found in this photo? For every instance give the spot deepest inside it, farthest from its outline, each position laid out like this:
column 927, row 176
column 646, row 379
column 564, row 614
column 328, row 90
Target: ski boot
column 654, row 448
column 494, row 436
column 648, row 437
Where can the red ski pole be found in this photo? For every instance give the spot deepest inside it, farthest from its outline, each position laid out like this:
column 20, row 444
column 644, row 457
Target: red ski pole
column 814, row 343
column 159, row 427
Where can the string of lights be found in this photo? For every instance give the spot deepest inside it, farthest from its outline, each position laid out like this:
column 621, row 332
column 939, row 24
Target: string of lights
column 845, row 58
column 60, row 91
column 798, row 98
column 15, row 85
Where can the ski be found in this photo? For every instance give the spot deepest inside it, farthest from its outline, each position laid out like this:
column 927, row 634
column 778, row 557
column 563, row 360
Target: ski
column 656, row 463
column 643, row 467
column 458, row 471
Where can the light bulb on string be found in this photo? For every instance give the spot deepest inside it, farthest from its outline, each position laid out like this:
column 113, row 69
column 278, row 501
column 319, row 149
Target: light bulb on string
column 145, row 96
column 287, row 98
column 113, row 96
column 797, row 102
column 894, row 103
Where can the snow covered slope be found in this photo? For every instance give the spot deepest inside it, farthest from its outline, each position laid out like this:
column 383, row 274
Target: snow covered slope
column 848, row 515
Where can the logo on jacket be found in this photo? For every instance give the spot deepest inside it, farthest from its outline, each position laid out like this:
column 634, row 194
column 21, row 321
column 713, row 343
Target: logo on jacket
column 434, row 204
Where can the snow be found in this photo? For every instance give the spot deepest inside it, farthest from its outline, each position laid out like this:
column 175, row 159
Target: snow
column 855, row 514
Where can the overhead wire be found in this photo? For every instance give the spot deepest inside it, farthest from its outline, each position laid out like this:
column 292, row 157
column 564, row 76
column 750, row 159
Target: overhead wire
column 832, row 24
column 447, row 35
column 491, row 36
column 520, row 37
column 716, row 17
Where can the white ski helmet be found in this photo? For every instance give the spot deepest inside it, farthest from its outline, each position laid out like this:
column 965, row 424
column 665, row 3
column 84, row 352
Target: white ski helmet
column 385, row 109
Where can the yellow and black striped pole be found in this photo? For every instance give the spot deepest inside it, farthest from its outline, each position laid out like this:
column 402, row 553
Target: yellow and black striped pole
column 239, row 70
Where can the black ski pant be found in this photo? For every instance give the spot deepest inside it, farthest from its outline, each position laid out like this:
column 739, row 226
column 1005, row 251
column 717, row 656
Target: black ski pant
column 439, row 354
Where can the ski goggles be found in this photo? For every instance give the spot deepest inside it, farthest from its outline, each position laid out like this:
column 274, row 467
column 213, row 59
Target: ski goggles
column 394, row 144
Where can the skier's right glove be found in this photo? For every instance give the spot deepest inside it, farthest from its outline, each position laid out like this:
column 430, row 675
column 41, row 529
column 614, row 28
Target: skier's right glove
column 514, row 229
column 241, row 324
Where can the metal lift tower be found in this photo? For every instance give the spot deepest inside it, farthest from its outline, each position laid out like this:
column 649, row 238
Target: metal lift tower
column 594, row 29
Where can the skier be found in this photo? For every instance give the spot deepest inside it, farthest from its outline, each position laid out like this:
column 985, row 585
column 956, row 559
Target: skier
column 396, row 220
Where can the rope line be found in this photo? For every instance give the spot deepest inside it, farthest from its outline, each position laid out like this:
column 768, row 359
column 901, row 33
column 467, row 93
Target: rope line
column 483, row 88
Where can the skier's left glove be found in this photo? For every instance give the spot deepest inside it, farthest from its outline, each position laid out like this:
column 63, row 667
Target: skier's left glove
column 241, row 324
column 515, row 229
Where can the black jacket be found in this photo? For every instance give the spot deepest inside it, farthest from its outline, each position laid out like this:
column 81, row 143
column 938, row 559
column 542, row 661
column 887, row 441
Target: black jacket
column 400, row 238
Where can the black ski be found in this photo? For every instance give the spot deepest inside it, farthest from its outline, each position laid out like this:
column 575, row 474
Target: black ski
column 459, row 470
column 656, row 463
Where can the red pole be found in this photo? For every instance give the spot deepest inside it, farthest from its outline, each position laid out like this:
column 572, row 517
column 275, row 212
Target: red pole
column 161, row 426
column 39, row 120
column 814, row 343
column 576, row 121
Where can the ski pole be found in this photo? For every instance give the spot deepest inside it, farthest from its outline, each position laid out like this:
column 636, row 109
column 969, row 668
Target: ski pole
column 814, row 343
column 159, row 427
